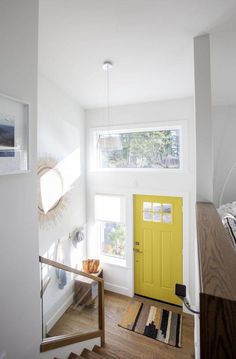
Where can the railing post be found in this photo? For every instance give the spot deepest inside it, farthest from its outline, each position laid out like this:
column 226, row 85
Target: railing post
column 101, row 314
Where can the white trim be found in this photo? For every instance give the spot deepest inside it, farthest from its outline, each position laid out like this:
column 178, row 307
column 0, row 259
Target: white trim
column 28, row 131
column 153, row 126
column 130, row 235
column 118, row 289
column 23, row 102
column 132, row 126
column 185, row 216
column 57, row 315
column 106, row 258
column 130, row 129
column 114, row 261
column 140, row 170
column 20, row 172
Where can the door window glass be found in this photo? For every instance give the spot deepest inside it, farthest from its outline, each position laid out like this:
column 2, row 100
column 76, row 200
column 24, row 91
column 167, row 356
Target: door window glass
column 166, row 208
column 157, row 212
column 147, row 216
column 147, row 206
column 167, row 218
column 156, row 217
column 157, row 207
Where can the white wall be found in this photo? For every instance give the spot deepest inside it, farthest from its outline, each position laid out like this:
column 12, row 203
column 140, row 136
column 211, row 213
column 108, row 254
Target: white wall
column 131, row 182
column 61, row 136
column 223, row 75
column 203, row 121
column 19, row 275
column 204, row 146
column 224, row 132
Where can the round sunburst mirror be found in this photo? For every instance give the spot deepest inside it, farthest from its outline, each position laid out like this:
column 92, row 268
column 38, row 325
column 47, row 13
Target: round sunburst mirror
column 51, row 198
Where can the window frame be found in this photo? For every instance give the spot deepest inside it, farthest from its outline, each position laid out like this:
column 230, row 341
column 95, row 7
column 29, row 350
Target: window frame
column 96, row 131
column 107, row 258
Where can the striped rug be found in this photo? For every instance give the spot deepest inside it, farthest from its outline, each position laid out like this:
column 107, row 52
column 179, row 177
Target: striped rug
column 153, row 322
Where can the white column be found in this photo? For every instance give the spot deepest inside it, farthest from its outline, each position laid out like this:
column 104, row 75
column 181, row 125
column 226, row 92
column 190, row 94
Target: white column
column 20, row 322
column 204, row 142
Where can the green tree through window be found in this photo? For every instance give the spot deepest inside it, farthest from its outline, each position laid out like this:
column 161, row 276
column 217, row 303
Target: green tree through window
column 113, row 239
column 148, row 149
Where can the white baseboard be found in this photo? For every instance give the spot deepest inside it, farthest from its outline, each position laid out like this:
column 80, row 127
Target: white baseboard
column 118, row 289
column 57, row 315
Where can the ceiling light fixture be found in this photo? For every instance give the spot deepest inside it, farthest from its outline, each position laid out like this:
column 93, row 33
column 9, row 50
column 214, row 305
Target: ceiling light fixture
column 109, row 141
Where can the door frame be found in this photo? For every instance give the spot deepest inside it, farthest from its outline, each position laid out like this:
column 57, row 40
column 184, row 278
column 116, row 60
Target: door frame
column 188, row 214
column 186, row 219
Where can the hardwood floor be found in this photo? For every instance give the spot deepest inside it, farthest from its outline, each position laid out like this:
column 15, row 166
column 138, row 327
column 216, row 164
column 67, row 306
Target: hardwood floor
column 78, row 320
column 124, row 344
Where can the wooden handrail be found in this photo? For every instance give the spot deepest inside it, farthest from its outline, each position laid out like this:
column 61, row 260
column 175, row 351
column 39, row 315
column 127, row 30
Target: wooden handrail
column 68, row 339
column 59, row 341
column 68, row 269
column 217, row 267
column 217, row 258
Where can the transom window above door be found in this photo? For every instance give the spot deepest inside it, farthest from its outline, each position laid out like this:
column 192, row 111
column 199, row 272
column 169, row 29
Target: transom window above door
column 158, row 148
column 157, row 212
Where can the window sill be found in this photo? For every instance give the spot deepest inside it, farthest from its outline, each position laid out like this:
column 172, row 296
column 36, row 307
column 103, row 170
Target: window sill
column 179, row 170
column 114, row 261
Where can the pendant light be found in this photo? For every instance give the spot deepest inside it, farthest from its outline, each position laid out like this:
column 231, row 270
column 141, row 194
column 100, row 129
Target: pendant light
column 109, row 141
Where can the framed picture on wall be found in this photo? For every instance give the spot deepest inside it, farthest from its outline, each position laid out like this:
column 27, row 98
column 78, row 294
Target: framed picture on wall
column 14, row 135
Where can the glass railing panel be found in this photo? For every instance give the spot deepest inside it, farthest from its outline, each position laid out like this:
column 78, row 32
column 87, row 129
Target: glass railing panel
column 69, row 303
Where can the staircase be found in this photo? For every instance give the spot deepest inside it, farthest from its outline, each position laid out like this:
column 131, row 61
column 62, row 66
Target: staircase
column 96, row 353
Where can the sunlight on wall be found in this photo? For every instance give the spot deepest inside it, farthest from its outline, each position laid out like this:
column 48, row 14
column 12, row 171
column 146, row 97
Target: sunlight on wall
column 59, row 180
column 51, row 189
column 70, row 169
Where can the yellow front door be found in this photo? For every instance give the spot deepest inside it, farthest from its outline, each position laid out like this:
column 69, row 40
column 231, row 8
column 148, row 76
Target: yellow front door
column 158, row 246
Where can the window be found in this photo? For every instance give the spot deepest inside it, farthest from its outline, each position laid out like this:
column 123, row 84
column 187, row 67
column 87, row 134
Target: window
column 159, row 148
column 157, row 212
column 110, row 220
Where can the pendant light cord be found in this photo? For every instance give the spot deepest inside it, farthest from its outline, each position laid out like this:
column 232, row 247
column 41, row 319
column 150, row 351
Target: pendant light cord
column 108, row 100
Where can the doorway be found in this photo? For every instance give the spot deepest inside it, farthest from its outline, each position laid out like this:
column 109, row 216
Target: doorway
column 158, row 243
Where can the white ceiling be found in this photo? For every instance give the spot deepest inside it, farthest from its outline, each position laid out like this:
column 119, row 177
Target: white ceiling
column 149, row 41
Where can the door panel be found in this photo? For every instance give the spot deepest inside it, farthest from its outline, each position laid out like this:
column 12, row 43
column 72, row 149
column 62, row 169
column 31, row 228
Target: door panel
column 165, row 251
column 148, row 258
column 158, row 246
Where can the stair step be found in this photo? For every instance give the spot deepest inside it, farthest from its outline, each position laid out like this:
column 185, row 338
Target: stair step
column 106, row 352
column 91, row 355
column 102, row 352
column 74, row 356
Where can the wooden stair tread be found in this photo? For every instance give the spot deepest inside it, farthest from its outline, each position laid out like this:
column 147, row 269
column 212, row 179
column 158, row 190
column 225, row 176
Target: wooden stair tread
column 90, row 355
column 106, row 352
column 102, row 352
column 74, row 356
